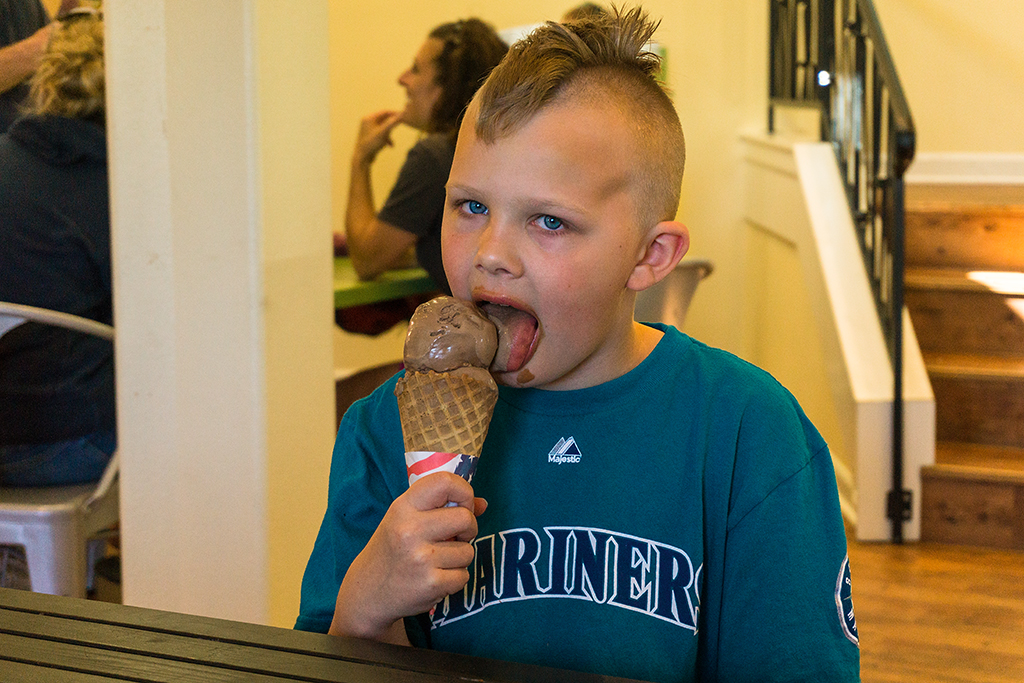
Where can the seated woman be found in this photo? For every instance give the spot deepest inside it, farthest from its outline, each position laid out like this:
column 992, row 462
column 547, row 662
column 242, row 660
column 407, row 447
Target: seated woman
column 446, row 71
column 57, row 386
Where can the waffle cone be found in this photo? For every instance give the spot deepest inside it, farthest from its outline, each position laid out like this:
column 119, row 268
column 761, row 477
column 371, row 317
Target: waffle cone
column 446, row 412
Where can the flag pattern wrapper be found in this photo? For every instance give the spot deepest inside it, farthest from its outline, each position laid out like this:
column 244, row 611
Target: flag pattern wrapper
column 421, row 463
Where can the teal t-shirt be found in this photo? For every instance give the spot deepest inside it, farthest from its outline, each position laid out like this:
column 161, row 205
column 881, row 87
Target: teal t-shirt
column 679, row 523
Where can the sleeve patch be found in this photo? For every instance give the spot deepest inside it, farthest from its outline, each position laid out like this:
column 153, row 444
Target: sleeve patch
column 844, row 603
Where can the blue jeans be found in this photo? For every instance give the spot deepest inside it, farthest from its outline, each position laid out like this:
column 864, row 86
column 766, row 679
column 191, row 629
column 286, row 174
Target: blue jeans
column 76, row 461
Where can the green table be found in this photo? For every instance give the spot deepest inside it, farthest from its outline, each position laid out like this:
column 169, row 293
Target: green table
column 349, row 290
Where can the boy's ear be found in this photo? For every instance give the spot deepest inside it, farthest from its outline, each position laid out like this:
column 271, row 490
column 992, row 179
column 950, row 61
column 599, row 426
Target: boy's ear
column 669, row 242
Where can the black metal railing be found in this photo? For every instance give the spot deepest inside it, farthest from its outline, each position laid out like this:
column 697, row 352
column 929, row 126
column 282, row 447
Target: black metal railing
column 832, row 55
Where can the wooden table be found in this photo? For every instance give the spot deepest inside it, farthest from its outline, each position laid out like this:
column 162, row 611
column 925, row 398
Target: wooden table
column 349, row 290
column 45, row 638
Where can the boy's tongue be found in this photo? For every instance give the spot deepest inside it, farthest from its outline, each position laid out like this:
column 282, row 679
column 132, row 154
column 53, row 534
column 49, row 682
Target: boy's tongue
column 516, row 332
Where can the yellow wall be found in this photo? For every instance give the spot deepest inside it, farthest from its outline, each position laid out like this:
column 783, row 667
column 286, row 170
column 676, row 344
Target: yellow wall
column 717, row 55
column 784, row 334
column 293, row 118
column 962, row 67
column 717, row 67
column 370, row 49
column 716, row 58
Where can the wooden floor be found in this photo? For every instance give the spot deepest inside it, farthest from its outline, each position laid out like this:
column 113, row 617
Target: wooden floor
column 930, row 613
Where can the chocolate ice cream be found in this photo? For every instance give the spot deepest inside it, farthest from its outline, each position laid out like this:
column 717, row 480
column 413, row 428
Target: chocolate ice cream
column 445, row 334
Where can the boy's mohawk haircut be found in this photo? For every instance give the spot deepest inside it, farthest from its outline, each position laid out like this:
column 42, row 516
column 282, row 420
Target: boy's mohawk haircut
column 538, row 67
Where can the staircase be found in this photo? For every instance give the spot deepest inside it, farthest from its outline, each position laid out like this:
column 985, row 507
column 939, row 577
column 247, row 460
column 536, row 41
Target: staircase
column 971, row 331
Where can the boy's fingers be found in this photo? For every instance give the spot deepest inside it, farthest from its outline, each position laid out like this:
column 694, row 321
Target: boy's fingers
column 453, row 555
column 444, row 582
column 438, row 489
column 446, row 523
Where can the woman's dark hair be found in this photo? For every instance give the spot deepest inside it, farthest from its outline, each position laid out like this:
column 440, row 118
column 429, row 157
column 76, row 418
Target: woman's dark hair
column 587, row 10
column 471, row 48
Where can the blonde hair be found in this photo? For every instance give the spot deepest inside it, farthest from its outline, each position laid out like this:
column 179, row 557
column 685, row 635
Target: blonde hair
column 70, row 80
column 595, row 59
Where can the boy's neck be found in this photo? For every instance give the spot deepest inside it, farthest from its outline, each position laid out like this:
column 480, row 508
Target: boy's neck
column 646, row 338
column 636, row 344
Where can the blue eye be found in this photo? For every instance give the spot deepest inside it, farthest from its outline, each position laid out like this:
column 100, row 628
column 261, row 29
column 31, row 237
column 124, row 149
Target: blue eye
column 550, row 222
column 475, row 207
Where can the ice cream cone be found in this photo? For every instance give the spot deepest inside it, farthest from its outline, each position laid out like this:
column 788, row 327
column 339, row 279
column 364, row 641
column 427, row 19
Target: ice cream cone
column 447, row 412
column 447, row 396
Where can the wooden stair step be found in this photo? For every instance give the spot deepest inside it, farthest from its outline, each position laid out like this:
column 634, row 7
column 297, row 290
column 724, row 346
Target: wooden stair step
column 975, row 237
column 954, row 312
column 965, row 293
column 979, row 461
column 974, row 495
column 971, row 508
column 978, row 399
column 974, row 366
column 965, row 280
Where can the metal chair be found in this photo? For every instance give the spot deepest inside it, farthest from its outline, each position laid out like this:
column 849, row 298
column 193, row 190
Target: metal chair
column 669, row 300
column 57, row 525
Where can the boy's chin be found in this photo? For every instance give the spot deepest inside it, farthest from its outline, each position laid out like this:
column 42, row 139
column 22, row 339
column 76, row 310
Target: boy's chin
column 521, row 378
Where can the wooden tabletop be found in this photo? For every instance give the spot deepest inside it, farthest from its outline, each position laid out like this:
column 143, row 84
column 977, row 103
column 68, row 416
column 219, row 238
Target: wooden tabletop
column 349, row 290
column 46, row 638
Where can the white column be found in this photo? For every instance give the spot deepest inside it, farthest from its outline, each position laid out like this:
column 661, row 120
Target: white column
column 200, row 297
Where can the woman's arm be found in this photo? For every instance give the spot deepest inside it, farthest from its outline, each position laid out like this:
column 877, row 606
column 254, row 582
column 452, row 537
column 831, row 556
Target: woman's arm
column 19, row 60
column 373, row 245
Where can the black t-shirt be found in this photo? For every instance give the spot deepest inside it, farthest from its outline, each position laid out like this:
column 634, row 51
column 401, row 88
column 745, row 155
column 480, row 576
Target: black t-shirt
column 416, row 202
column 18, row 20
column 55, row 384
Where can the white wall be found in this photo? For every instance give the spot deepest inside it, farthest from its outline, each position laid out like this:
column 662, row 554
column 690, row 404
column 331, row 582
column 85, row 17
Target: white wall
column 222, row 298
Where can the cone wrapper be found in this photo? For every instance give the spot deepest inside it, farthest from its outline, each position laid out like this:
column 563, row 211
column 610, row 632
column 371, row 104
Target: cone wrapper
column 445, row 417
column 421, row 463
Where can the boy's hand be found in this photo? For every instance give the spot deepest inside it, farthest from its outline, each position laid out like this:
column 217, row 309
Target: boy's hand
column 418, row 554
column 374, row 135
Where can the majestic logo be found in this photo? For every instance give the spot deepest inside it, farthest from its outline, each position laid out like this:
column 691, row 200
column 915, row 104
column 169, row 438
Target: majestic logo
column 565, row 451
column 578, row 563
column 844, row 602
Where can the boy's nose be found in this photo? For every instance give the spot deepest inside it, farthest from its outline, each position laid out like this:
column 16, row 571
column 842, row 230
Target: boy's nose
column 497, row 252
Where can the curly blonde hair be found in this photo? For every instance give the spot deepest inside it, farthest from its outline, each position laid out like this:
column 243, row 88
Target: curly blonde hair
column 69, row 80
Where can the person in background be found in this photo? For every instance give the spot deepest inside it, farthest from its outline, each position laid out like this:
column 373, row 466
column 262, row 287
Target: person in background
column 587, row 10
column 24, row 32
column 57, row 386
column 446, row 71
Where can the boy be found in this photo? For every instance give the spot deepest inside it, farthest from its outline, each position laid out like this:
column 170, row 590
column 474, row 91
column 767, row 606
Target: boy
column 655, row 509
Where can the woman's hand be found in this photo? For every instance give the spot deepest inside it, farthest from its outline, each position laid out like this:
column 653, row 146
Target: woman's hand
column 374, row 135
column 418, row 554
